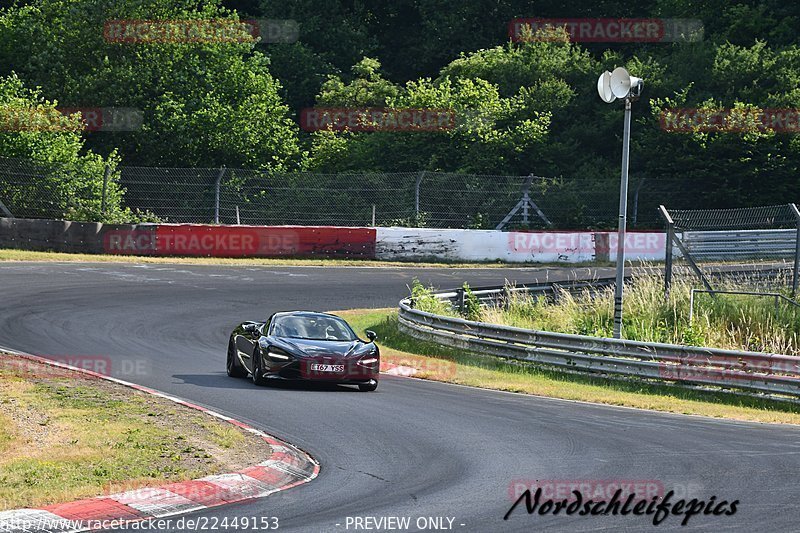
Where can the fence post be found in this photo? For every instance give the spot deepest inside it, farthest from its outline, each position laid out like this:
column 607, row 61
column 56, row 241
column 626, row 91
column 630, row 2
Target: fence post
column 668, row 251
column 216, row 193
column 5, row 210
column 416, row 192
column 506, row 297
column 795, row 279
column 103, row 199
column 636, row 202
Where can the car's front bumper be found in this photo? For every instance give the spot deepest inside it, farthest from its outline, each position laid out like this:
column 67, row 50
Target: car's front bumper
column 354, row 371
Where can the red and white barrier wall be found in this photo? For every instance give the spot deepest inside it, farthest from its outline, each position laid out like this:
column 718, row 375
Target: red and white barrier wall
column 327, row 241
column 242, row 241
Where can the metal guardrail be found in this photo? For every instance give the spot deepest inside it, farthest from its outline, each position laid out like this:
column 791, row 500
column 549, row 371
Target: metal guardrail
column 493, row 295
column 661, row 362
column 740, row 244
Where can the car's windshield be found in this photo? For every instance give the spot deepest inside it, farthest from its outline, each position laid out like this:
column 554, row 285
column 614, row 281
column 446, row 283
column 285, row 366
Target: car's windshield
column 313, row 327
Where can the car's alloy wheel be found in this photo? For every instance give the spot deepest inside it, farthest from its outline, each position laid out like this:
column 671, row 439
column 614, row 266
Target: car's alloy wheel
column 368, row 387
column 234, row 370
column 257, row 373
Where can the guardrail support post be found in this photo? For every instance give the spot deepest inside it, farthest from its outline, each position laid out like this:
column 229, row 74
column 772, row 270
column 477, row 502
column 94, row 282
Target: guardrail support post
column 216, row 193
column 103, row 199
column 795, row 279
column 5, row 210
column 417, row 185
column 668, row 260
column 460, row 294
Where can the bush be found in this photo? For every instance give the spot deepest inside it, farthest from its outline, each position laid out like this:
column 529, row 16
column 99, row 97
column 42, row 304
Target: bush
column 738, row 322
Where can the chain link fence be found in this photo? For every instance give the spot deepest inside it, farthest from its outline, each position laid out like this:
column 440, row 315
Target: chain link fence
column 39, row 190
column 430, row 199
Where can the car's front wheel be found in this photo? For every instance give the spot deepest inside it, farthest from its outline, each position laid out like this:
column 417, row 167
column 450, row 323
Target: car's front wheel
column 368, row 387
column 232, row 366
column 258, row 372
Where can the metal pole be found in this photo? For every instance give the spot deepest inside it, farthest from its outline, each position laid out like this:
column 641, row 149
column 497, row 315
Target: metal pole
column 216, row 193
column 795, row 279
column 416, row 192
column 623, row 208
column 373, row 215
column 105, row 190
column 668, row 259
column 238, row 221
column 5, row 210
column 668, row 250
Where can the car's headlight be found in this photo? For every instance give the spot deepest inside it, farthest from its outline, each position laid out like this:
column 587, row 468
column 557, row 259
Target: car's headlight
column 276, row 354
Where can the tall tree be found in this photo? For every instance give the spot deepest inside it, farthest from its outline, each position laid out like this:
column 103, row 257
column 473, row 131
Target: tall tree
column 205, row 103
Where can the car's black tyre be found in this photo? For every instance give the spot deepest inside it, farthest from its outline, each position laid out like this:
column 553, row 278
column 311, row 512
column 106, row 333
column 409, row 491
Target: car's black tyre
column 368, row 387
column 257, row 371
column 232, row 366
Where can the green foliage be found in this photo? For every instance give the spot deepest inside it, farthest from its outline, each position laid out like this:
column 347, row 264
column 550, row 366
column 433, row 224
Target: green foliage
column 520, row 108
column 205, row 104
column 47, row 169
column 417, row 220
column 472, row 306
column 423, row 299
column 488, row 127
column 737, row 322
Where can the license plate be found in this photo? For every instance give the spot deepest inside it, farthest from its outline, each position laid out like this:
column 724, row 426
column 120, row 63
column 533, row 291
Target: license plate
column 316, row 367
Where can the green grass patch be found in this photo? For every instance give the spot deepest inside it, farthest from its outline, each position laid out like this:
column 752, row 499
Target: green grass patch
column 442, row 363
column 65, row 438
column 729, row 321
column 738, row 322
column 24, row 255
column 6, row 437
column 225, row 436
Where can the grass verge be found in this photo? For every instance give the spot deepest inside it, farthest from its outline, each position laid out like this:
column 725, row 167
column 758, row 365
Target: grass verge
column 24, row 255
column 441, row 363
column 64, row 436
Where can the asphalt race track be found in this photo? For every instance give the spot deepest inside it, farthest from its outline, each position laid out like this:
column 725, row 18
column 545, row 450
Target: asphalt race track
column 413, row 448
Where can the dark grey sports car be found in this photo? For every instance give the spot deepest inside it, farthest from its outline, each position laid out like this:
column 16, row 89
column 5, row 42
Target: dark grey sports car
column 304, row 345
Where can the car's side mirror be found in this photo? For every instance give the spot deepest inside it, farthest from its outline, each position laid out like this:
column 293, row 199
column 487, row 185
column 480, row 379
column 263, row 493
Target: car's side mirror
column 371, row 335
column 250, row 328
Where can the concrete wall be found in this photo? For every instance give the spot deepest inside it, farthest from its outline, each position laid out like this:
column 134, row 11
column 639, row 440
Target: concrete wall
column 52, row 235
column 186, row 239
column 537, row 247
column 326, row 241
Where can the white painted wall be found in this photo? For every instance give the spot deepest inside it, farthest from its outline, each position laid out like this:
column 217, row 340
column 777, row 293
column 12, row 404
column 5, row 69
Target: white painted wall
column 537, row 247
